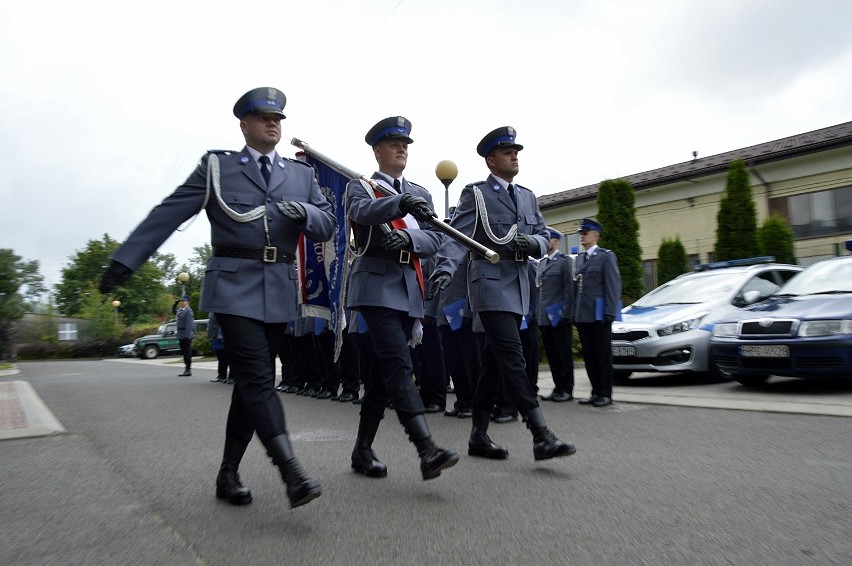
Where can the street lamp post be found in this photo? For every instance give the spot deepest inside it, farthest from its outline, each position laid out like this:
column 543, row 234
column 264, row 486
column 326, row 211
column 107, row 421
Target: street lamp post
column 446, row 172
column 115, row 304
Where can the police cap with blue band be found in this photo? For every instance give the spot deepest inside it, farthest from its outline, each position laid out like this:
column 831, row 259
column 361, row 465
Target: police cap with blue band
column 393, row 127
column 501, row 137
column 265, row 100
column 554, row 233
column 589, row 224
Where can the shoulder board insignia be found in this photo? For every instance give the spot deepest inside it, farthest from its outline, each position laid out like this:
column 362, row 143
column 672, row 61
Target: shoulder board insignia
column 221, row 151
column 416, row 185
column 299, row 161
column 604, row 250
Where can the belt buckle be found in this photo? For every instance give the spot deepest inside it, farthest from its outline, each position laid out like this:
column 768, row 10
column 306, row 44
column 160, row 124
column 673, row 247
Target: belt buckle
column 519, row 256
column 270, row 254
column 404, row 256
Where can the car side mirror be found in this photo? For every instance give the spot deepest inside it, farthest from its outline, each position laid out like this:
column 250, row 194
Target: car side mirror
column 751, row 297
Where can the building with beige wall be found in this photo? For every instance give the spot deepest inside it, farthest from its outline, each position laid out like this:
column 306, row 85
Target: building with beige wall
column 806, row 178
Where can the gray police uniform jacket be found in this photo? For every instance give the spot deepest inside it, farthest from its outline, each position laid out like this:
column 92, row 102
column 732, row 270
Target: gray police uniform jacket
column 597, row 287
column 554, row 284
column 185, row 323
column 379, row 281
column 245, row 287
column 503, row 286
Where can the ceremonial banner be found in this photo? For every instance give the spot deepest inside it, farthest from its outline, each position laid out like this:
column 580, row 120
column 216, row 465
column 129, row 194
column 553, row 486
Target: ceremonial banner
column 324, row 266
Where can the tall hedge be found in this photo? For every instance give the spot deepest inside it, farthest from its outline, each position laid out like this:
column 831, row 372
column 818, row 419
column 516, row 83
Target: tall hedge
column 617, row 213
column 736, row 222
column 671, row 260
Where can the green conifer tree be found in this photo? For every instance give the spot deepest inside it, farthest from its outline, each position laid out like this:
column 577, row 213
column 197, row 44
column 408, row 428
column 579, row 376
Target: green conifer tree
column 775, row 238
column 736, row 222
column 672, row 260
column 617, row 213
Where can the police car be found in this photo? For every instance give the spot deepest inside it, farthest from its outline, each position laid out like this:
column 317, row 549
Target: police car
column 669, row 329
column 804, row 330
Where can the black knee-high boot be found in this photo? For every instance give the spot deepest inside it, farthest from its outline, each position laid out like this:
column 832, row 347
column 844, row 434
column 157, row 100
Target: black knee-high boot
column 300, row 488
column 545, row 444
column 364, row 460
column 480, row 444
column 432, row 458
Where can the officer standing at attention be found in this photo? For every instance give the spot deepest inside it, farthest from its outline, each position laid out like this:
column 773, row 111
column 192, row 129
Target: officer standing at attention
column 597, row 294
column 386, row 287
column 504, row 217
column 257, row 203
column 185, row 333
column 554, row 282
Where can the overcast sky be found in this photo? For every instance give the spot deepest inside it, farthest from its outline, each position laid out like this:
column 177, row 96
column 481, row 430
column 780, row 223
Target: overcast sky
column 107, row 106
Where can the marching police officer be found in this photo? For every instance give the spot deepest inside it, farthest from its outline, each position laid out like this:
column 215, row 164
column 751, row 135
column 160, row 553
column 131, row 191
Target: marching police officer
column 597, row 304
column 386, row 288
column 257, row 203
column 505, row 217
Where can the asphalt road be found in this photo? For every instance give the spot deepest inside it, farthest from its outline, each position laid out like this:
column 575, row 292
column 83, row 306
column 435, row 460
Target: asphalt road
column 131, row 482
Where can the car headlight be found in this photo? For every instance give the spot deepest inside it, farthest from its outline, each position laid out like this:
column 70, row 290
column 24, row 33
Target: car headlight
column 825, row 327
column 682, row 326
column 725, row 330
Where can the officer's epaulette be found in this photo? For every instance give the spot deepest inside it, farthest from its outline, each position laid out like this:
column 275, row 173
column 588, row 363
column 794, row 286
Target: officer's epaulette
column 299, row 161
column 604, row 250
column 522, row 187
column 416, row 185
column 563, row 254
column 217, row 152
column 478, row 183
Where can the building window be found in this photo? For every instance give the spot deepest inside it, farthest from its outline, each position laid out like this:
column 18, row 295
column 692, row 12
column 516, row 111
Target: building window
column 67, row 331
column 692, row 261
column 823, row 213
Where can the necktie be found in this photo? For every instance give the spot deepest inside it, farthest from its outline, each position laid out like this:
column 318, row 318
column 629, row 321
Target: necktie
column 511, row 190
column 264, row 169
column 396, row 185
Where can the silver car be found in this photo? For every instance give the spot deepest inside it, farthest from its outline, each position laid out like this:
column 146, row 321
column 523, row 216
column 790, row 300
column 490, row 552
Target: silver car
column 669, row 329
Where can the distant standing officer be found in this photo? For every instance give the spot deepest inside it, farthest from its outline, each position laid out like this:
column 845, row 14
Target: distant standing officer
column 554, row 282
column 597, row 288
column 185, row 333
column 386, row 287
column 257, row 203
column 504, row 217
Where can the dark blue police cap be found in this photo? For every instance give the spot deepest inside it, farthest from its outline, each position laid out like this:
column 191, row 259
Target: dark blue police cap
column 393, row 127
column 264, row 99
column 554, row 233
column 185, row 298
column 589, row 224
column 501, row 137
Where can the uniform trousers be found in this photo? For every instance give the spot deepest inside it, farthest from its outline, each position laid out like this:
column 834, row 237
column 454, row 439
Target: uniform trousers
column 429, row 368
column 557, row 341
column 255, row 406
column 186, row 350
column 390, row 377
column 462, row 354
column 596, row 339
column 503, row 343
column 352, row 363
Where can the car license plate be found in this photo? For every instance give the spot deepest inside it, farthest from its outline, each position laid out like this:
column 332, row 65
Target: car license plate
column 623, row 352
column 765, row 351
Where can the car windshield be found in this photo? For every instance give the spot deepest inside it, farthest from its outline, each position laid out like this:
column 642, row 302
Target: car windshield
column 831, row 276
column 692, row 290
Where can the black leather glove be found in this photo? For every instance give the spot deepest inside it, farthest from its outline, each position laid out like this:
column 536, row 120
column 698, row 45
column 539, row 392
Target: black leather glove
column 525, row 244
column 115, row 275
column 293, row 211
column 437, row 283
column 608, row 318
column 396, row 240
column 417, row 207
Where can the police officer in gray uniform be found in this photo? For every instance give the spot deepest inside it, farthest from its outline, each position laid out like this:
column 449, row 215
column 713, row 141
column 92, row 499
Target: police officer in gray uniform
column 598, row 303
column 257, row 203
column 185, row 333
column 386, row 288
column 554, row 283
column 504, row 217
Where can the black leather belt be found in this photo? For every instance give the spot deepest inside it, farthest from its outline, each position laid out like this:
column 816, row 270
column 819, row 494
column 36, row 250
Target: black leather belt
column 505, row 256
column 398, row 256
column 267, row 254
